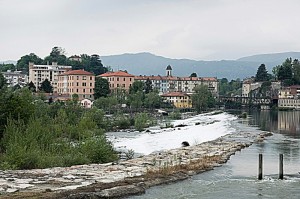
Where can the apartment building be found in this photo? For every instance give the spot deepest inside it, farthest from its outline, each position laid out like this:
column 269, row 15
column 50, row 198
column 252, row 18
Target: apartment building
column 289, row 97
column 178, row 99
column 118, row 80
column 78, row 82
column 14, row 78
column 170, row 83
column 39, row 73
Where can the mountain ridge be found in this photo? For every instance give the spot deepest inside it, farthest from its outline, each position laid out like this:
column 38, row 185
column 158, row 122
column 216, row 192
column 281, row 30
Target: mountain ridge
column 149, row 64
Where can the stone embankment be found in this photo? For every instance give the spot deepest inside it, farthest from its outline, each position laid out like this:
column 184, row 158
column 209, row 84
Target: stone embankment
column 115, row 180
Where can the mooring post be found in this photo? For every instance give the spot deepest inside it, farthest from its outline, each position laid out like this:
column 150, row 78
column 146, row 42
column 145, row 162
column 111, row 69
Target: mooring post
column 281, row 166
column 260, row 164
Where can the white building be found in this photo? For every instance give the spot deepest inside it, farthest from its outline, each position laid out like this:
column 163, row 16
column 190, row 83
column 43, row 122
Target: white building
column 15, row 78
column 169, row 83
column 39, row 73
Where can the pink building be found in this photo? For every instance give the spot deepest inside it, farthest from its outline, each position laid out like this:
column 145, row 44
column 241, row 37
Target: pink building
column 118, row 80
column 78, row 82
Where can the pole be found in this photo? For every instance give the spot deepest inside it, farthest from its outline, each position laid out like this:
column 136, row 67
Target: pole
column 281, row 166
column 260, row 163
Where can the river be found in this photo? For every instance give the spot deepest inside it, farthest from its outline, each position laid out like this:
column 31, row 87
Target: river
column 238, row 177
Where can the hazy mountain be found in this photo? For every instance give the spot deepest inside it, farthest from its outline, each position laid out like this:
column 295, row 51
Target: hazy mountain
column 149, row 64
column 8, row 62
column 271, row 58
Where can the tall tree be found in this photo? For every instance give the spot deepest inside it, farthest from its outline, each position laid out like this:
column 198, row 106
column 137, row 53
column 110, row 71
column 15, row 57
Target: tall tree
column 57, row 54
column 46, row 86
column 31, row 86
column 202, row 98
column 262, row 74
column 2, row 81
column 101, row 88
column 285, row 71
column 96, row 66
column 148, row 86
column 296, row 71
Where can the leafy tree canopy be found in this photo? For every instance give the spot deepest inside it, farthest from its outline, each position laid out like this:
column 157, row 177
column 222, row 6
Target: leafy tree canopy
column 23, row 62
column 101, row 88
column 202, row 98
column 46, row 86
column 2, row 81
column 193, row 75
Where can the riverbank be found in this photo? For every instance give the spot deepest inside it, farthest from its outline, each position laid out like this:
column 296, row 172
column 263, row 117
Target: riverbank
column 115, row 180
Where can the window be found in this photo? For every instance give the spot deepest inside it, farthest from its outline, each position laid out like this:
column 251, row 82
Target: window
column 124, row 79
column 77, row 90
column 123, row 85
column 84, row 90
column 77, row 84
column 117, row 85
column 91, row 84
column 117, row 79
column 83, row 83
column 77, row 77
column 130, row 79
column 91, row 78
column 83, row 77
column 91, row 90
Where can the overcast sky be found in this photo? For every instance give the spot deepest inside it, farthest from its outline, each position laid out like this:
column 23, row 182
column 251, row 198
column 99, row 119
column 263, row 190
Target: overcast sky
column 195, row 29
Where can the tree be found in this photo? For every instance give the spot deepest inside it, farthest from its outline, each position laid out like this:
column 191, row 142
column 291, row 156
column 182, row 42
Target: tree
column 193, row 75
column 23, row 62
column 262, row 74
column 202, row 98
column 32, row 87
column 148, row 86
column 101, row 88
column 96, row 66
column 296, row 71
column 2, row 81
column 285, row 71
column 46, row 86
column 152, row 100
column 136, row 86
column 57, row 54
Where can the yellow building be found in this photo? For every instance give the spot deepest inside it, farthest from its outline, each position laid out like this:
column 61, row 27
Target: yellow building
column 178, row 99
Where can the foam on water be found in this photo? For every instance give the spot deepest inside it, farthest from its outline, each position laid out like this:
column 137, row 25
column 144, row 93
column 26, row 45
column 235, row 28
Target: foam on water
column 210, row 128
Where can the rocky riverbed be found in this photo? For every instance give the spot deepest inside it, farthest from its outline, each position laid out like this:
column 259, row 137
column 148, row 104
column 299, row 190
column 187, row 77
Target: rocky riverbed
column 116, row 180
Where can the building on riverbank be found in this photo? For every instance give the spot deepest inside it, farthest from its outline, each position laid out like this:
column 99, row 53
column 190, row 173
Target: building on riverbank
column 178, row 99
column 39, row 73
column 120, row 80
column 170, row 83
column 289, row 97
column 78, row 82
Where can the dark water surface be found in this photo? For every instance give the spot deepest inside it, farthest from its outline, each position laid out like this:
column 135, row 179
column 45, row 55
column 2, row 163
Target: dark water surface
column 238, row 177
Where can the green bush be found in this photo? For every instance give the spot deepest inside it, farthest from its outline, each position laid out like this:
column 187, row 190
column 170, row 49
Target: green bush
column 140, row 121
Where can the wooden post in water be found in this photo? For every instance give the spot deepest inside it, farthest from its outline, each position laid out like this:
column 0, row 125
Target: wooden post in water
column 260, row 164
column 281, row 166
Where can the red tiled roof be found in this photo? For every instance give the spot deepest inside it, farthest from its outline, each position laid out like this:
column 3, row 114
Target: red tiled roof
column 116, row 74
column 77, row 72
column 175, row 94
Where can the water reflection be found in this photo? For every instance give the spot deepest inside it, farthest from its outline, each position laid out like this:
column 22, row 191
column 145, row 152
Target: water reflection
column 284, row 122
column 238, row 177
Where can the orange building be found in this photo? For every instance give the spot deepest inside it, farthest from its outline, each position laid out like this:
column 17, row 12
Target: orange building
column 118, row 80
column 78, row 82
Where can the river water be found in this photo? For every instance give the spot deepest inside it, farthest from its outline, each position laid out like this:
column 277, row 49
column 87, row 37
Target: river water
column 238, row 177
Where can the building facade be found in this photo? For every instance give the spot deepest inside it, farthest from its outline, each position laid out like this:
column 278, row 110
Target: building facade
column 78, row 82
column 118, row 80
column 169, row 83
column 15, row 78
column 289, row 97
column 39, row 73
column 178, row 99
